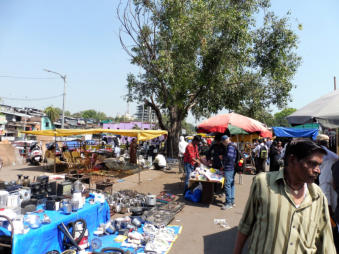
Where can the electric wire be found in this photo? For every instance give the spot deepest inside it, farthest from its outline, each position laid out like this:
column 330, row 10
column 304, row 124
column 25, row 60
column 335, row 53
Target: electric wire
column 22, row 77
column 31, row 99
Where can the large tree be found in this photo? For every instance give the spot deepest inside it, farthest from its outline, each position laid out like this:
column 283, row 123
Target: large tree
column 203, row 56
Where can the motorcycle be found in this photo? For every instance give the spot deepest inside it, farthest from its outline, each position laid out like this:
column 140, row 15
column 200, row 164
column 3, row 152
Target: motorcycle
column 35, row 154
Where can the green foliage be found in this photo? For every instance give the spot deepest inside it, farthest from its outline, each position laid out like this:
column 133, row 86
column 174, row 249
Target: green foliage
column 91, row 114
column 208, row 55
column 280, row 117
column 190, row 128
column 205, row 56
column 77, row 115
column 68, row 113
column 53, row 113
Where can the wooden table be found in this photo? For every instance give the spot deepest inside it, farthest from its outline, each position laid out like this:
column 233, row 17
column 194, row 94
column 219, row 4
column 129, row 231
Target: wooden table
column 208, row 188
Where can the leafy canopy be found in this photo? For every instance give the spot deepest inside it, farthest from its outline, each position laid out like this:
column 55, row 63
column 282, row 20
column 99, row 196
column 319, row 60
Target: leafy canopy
column 280, row 117
column 53, row 113
column 203, row 56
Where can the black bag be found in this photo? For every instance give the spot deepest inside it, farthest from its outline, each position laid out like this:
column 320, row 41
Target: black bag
column 263, row 153
column 237, row 168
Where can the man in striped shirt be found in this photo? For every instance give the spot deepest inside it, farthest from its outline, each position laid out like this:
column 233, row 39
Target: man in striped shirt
column 286, row 212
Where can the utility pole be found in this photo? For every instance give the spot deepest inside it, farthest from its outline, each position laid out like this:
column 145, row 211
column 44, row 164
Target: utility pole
column 63, row 77
column 335, row 83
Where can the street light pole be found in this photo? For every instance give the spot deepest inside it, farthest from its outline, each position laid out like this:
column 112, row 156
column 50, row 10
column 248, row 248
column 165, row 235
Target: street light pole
column 63, row 77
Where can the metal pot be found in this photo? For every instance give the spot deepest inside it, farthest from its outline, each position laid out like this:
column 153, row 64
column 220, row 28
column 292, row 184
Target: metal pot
column 151, row 200
column 136, row 222
column 117, row 208
column 137, row 211
column 78, row 187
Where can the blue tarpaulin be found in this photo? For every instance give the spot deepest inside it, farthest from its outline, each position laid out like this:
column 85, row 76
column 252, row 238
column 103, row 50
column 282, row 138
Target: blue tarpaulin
column 48, row 237
column 295, row 133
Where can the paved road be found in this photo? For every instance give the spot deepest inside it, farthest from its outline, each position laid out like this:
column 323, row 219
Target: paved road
column 199, row 234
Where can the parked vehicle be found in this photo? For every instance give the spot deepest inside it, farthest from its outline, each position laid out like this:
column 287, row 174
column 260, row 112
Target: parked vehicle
column 35, row 154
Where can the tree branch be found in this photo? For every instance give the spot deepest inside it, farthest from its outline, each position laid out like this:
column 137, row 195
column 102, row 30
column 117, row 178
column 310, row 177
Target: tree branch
column 157, row 112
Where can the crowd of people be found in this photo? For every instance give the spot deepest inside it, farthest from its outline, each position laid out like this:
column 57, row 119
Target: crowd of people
column 293, row 208
column 223, row 154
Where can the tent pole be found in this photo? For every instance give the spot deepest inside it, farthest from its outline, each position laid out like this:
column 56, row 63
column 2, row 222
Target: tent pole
column 55, row 154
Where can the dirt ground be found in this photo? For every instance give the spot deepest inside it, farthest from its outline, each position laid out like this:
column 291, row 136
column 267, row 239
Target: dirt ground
column 199, row 234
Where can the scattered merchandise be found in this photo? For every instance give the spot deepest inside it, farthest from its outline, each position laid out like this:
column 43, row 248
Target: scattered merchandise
column 207, row 174
column 41, row 204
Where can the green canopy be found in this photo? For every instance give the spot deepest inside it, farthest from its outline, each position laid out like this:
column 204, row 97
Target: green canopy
column 306, row 126
column 235, row 130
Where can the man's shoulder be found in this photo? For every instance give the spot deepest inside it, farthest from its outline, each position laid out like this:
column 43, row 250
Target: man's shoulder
column 316, row 188
column 330, row 154
column 266, row 177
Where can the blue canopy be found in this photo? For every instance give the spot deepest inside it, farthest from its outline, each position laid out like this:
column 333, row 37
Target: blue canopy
column 295, row 133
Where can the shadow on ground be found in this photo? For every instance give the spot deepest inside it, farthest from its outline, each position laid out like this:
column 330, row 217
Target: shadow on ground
column 33, row 168
column 221, row 242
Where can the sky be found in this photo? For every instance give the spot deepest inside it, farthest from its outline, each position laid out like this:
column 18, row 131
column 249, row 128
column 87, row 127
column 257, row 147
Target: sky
column 79, row 39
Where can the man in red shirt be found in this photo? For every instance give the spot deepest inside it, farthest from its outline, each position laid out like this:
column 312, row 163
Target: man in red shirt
column 191, row 158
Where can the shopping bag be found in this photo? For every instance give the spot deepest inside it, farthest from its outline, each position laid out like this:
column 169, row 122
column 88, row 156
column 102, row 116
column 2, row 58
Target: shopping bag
column 194, row 196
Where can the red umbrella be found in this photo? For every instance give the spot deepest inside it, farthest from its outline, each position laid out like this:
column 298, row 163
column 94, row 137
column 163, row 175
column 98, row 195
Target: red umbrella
column 220, row 123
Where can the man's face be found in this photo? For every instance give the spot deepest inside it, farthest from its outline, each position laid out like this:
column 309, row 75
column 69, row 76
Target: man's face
column 226, row 141
column 307, row 169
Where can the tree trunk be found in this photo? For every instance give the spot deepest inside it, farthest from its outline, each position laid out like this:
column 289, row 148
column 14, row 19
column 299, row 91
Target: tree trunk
column 174, row 130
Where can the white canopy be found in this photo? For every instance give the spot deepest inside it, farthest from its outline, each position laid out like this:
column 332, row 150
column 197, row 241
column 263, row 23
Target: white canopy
column 324, row 110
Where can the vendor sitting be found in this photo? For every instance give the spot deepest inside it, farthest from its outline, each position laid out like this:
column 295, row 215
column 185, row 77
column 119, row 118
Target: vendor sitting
column 159, row 162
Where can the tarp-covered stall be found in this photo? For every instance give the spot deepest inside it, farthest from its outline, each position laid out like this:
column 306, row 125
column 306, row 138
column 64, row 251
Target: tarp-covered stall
column 324, row 110
column 295, row 133
column 141, row 135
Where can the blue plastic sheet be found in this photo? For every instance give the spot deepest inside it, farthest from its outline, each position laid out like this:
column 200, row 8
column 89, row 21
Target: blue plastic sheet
column 48, row 237
column 295, row 133
column 194, row 196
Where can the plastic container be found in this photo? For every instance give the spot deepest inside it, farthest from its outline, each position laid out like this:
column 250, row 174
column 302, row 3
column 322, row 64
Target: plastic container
column 3, row 198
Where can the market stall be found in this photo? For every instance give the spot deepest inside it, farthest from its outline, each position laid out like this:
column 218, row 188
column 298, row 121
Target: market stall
column 51, row 215
column 295, row 133
column 140, row 135
column 209, row 178
column 47, row 237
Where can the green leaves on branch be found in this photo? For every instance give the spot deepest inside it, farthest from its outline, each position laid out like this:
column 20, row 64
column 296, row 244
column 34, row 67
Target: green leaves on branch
column 204, row 56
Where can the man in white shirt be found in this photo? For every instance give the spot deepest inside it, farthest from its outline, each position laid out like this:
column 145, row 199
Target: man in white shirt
column 261, row 155
column 325, row 177
column 182, row 148
column 159, row 162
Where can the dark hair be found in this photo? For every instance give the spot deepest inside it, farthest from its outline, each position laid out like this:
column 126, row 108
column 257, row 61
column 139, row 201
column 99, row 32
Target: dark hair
column 323, row 142
column 218, row 136
column 302, row 148
column 197, row 138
